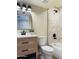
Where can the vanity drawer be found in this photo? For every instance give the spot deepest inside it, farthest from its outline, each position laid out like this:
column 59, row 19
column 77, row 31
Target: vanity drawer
column 25, row 50
column 28, row 43
column 22, row 41
column 29, row 46
column 28, row 51
column 28, row 40
column 25, row 42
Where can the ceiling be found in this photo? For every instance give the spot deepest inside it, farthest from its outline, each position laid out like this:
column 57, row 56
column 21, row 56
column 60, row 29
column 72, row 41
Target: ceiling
column 51, row 3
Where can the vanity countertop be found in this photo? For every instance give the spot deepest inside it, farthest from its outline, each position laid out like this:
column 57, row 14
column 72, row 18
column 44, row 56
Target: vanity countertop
column 27, row 35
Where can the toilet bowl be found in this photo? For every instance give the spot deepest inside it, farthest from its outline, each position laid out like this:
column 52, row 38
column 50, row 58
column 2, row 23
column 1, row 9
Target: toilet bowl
column 48, row 52
column 45, row 49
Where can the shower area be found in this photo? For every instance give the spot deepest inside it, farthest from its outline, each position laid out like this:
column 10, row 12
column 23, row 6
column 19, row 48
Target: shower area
column 54, row 25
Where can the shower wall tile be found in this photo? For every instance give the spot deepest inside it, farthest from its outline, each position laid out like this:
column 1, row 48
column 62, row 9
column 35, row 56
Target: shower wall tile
column 54, row 25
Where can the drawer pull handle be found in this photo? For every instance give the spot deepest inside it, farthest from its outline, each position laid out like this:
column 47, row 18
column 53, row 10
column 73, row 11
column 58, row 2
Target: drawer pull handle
column 25, row 50
column 25, row 42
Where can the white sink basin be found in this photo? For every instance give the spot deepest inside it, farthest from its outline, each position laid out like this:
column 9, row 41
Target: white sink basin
column 27, row 35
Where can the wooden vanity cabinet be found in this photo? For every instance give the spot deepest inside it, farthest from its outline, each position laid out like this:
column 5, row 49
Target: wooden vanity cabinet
column 26, row 46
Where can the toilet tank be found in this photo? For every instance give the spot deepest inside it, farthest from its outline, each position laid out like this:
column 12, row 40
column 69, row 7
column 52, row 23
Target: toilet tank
column 42, row 40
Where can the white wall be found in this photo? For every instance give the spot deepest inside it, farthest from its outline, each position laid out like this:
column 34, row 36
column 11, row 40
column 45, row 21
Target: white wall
column 39, row 18
column 54, row 25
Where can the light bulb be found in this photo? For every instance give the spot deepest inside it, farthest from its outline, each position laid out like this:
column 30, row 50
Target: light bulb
column 23, row 9
column 29, row 9
column 18, row 8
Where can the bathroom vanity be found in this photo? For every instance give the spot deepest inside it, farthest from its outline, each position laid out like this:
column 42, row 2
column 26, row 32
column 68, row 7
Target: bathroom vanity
column 26, row 45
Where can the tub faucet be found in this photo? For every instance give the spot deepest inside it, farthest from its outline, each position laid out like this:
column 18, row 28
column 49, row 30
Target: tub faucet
column 54, row 36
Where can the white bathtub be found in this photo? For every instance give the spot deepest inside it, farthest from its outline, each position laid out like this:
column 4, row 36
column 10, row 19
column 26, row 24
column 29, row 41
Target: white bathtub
column 57, row 49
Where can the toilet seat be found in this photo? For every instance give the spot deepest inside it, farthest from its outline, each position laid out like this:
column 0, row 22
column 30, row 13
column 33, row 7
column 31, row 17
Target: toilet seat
column 47, row 48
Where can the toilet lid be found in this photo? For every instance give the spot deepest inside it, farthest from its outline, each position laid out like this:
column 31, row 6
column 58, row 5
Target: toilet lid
column 47, row 48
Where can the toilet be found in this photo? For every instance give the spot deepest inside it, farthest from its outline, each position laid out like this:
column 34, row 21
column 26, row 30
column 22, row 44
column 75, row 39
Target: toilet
column 46, row 50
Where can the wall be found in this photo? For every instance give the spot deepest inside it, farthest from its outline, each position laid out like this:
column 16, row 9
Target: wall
column 39, row 18
column 54, row 25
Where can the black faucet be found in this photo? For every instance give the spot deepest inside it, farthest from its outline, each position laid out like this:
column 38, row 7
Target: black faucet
column 23, row 33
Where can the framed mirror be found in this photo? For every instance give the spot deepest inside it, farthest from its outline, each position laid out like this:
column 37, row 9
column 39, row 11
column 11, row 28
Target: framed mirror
column 24, row 21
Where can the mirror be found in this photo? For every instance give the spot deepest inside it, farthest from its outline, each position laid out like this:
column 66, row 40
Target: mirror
column 24, row 20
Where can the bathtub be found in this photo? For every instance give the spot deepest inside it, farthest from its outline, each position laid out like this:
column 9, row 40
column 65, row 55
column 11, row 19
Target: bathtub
column 57, row 50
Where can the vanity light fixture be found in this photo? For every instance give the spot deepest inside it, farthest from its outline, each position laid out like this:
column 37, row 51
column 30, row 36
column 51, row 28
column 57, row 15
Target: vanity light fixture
column 23, row 7
column 29, row 8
